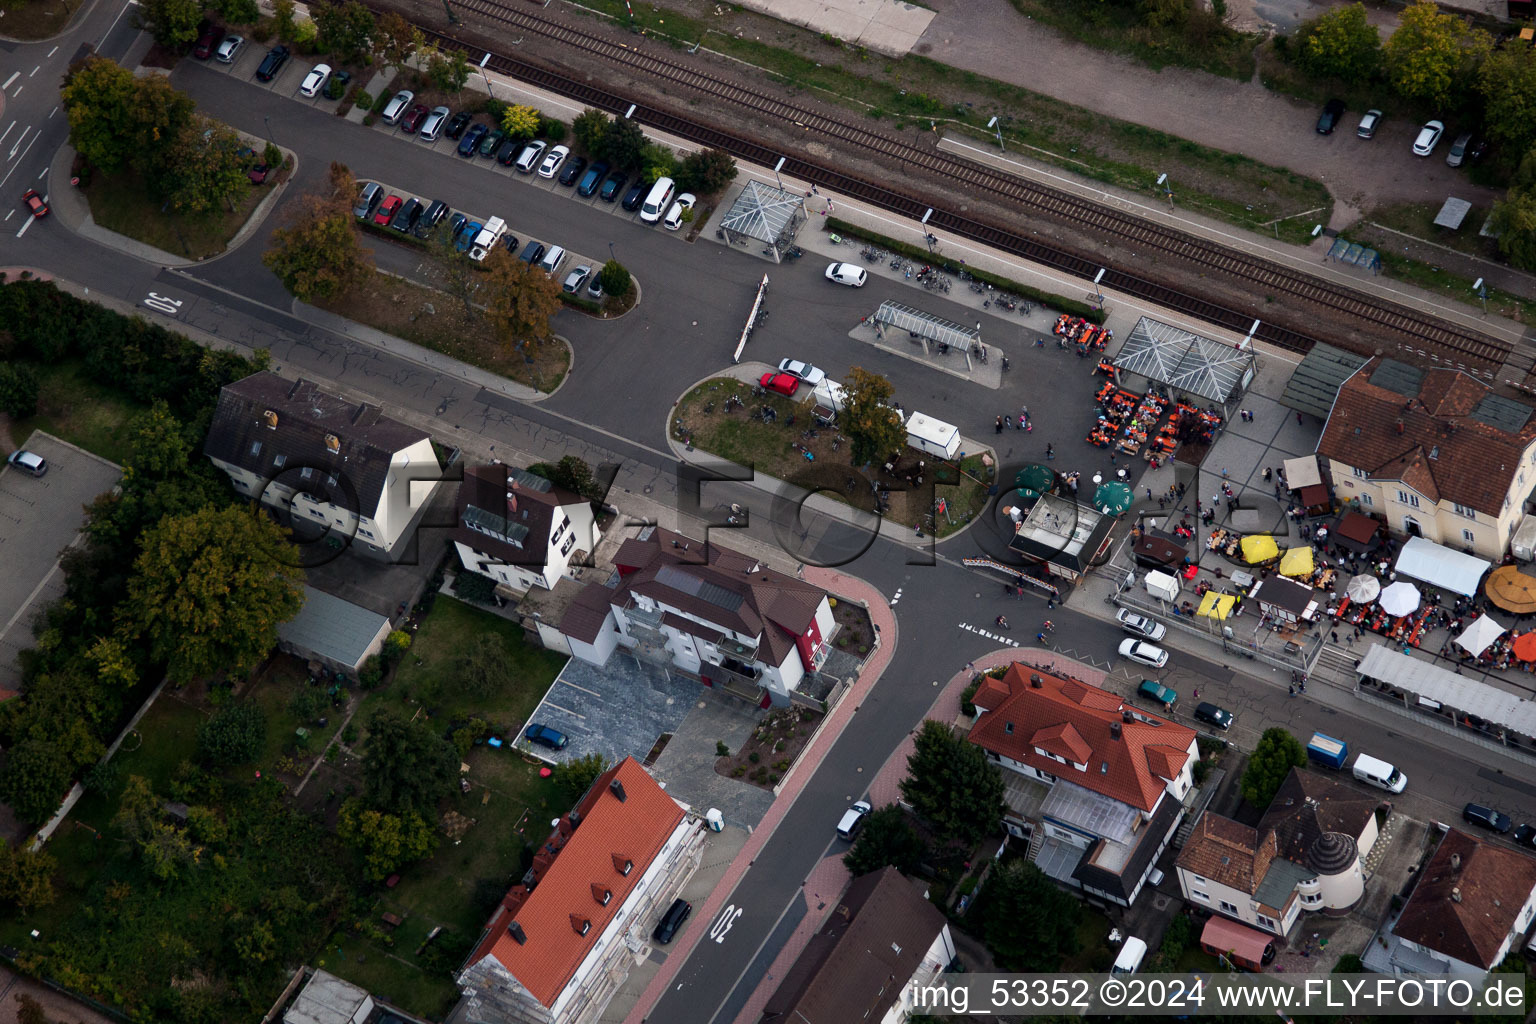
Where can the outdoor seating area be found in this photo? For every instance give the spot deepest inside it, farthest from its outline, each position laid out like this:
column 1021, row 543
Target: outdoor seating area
column 1133, row 424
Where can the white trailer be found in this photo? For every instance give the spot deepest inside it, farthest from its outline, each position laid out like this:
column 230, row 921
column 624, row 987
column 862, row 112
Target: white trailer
column 935, row 437
column 486, row 240
column 830, row 398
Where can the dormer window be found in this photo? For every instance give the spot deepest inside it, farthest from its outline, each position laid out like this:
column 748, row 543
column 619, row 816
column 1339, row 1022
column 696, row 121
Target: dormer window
column 279, row 461
column 306, row 473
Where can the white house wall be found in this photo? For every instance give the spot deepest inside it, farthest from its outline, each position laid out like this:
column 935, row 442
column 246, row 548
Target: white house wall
column 1209, row 893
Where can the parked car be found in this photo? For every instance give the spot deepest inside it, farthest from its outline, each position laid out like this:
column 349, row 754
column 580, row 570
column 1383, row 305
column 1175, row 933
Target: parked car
column 511, row 241
column 471, row 140
column 783, row 383
column 272, row 63
column 1487, row 817
column 674, row 218
column 28, row 462
column 576, row 279
column 368, row 197
column 595, row 287
column 553, row 160
column 432, row 127
column 413, row 119
column 336, row 85
column 1328, row 120
column 635, row 196
column 572, row 171
column 466, row 236
column 456, row 222
column 1151, row 689
column 592, row 179
column 1369, row 122
column 405, row 218
column 544, row 736
column 612, row 186
column 315, row 79
column 430, row 219
column 532, row 253
column 492, row 142
column 528, row 160
column 225, row 54
column 1459, row 149
column 847, row 273
column 1140, row 625
column 805, row 371
column 457, row 123
column 1429, row 138
column 257, row 175
column 203, row 48
column 672, row 920
column 510, row 150
column 398, row 104
column 35, row 205
column 387, row 210
column 853, row 820
column 1477, row 150
column 1525, row 836
column 1221, row 718
column 1143, row 652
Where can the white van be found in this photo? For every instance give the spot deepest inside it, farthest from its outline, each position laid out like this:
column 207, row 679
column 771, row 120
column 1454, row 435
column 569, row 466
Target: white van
column 552, row 260
column 657, row 202
column 1131, row 955
column 1379, row 773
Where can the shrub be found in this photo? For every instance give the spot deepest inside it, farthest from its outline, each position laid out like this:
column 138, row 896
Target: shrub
column 309, row 704
column 966, row 707
column 272, row 156
column 474, row 586
column 738, row 771
column 754, row 757
column 360, row 98
column 233, row 736
column 721, row 749
column 102, row 776
column 395, row 645
column 552, row 128
column 371, row 674
column 263, row 30
column 349, row 734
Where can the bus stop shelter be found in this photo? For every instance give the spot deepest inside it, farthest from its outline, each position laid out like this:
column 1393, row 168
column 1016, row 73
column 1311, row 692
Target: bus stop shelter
column 764, row 215
column 927, row 329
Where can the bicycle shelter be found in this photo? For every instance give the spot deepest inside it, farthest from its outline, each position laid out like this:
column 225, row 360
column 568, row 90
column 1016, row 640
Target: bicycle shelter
column 766, row 214
column 926, row 328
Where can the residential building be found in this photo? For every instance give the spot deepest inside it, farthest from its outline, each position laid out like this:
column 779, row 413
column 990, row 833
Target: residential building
column 1095, row 784
column 704, row 610
column 335, row 632
column 562, row 941
column 1434, row 452
column 1305, row 854
column 1472, row 906
column 327, row 999
column 881, row 942
column 342, row 467
column 519, row 529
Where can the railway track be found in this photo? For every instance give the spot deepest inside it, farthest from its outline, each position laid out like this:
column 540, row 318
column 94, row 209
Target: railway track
column 1411, row 333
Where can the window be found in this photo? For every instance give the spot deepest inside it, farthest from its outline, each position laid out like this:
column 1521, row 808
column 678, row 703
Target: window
column 1411, row 500
column 365, row 533
column 570, row 542
column 1202, row 897
column 1266, row 922
column 255, row 447
column 1463, row 510
column 1366, row 499
column 331, row 479
column 1227, row 907
column 279, row 461
column 1362, row 474
column 1468, row 536
column 305, row 473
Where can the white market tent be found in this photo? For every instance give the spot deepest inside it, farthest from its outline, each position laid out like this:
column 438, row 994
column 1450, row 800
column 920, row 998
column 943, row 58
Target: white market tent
column 1185, row 362
column 1440, row 566
column 1302, row 472
column 1476, row 637
column 1433, row 685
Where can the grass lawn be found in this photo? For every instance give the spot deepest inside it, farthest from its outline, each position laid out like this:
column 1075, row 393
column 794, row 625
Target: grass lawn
column 37, row 19
column 272, row 689
column 436, row 320
column 82, row 412
column 122, row 203
column 1418, row 220
column 168, row 734
column 1093, row 952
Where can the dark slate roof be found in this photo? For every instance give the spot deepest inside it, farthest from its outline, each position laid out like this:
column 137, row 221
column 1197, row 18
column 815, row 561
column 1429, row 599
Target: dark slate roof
column 584, row 616
column 507, row 513
column 855, row 968
column 294, row 437
column 1284, row 593
column 1315, row 383
column 1123, row 882
column 1468, row 899
column 1308, row 805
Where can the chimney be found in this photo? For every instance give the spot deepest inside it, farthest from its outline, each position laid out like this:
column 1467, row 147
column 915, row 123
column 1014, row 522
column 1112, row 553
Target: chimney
column 1126, row 716
column 1455, row 862
column 512, row 500
column 516, row 931
column 270, row 417
column 1399, row 426
column 575, row 819
column 1114, row 730
column 1035, row 682
column 617, row 789
column 332, row 443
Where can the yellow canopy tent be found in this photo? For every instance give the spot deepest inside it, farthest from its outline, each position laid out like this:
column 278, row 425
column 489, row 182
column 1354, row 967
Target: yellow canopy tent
column 1216, row 606
column 1259, row 547
column 1296, row 562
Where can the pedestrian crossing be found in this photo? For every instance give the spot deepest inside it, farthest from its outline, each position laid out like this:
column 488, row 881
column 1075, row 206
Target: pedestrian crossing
column 995, row 637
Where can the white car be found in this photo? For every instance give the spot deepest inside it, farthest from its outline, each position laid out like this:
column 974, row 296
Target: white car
column 1140, row 625
column 315, row 79
column 674, row 218
column 551, row 165
column 805, row 371
column 848, row 274
column 228, row 48
column 1143, row 653
column 853, row 820
column 1429, row 138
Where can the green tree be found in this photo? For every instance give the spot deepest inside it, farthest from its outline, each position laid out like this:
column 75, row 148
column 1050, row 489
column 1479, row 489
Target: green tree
column 26, row 878
column 1514, row 218
column 520, row 122
column 35, row 779
column 395, row 40
column 449, row 72
column 317, row 255
column 204, row 169
column 657, row 162
column 237, row 12
column 573, row 778
column 118, row 120
column 623, row 143
column 137, row 810
column 406, row 765
column 159, row 446
column 616, row 279
column 482, row 665
column 18, row 390
column 952, row 786
column 386, row 842
column 1340, row 43
column 173, row 23
column 1028, row 922
column 887, row 840
column 1274, row 757
column 114, row 662
column 166, row 850
column 572, row 473
column 346, row 29
column 283, row 19
column 520, row 299
column 233, row 736
column 1160, row 14
column 590, row 129
column 1433, row 55
column 706, row 171
column 873, row 426
column 205, row 826
column 209, row 590
column 1507, row 83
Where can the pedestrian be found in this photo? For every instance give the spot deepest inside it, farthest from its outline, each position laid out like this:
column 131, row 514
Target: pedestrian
column 1268, row 474
column 1223, row 473
column 1023, row 412
column 1197, row 693
column 999, row 424
column 1149, row 494
column 1335, row 636
column 1293, row 690
column 970, row 668
column 1050, row 452
column 829, row 210
column 1050, row 602
column 817, row 191
column 1019, row 423
column 1029, row 428
column 1298, row 419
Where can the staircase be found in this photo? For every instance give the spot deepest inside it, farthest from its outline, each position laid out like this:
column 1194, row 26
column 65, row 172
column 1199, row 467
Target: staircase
column 1036, row 840
column 1337, row 663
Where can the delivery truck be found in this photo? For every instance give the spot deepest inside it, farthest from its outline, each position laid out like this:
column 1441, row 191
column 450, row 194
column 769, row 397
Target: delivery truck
column 1327, row 751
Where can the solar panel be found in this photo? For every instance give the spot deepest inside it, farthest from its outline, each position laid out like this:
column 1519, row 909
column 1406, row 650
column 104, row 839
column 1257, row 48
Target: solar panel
column 1502, row 413
column 687, row 583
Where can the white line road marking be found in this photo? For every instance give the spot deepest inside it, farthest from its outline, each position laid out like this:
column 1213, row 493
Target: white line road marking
column 55, row 110
column 8, row 215
column 723, row 923
column 17, row 144
column 1009, row 641
column 112, row 26
column 557, row 707
column 36, row 70
column 7, row 131
column 43, row 171
column 17, row 92
column 14, row 75
column 17, row 164
column 25, row 224
column 582, row 689
column 53, row 51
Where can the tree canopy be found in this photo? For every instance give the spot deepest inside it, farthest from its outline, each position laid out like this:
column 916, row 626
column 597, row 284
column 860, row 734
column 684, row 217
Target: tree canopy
column 118, row 120
column 234, row 735
column 888, row 839
column 317, row 255
column 706, row 171
column 868, row 418
column 520, row 122
column 1028, row 922
column 1340, row 43
column 952, row 786
column 406, row 765
column 573, row 778
column 35, row 779
column 622, row 144
column 173, row 23
column 1274, row 757
column 1507, row 82
column 386, row 842
column 520, row 299
column 204, row 168
column 345, row 29
column 590, row 129
column 1432, row 55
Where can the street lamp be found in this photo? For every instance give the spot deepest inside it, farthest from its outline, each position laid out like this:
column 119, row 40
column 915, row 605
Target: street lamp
column 611, row 253
column 483, row 62
column 1482, row 293
column 268, row 120
column 1162, row 179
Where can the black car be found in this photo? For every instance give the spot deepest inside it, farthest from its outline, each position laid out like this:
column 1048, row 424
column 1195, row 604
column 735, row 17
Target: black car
column 672, row 920
column 544, row 736
column 1329, row 120
column 431, row 219
column 457, row 123
column 406, row 217
column 612, row 186
column 635, row 196
column 272, row 63
column 336, row 85
column 471, row 140
column 510, row 150
column 573, row 168
column 511, row 243
column 1487, row 817
column 492, row 142
column 592, row 179
column 533, row 252
column 1525, row 836
column 1220, row 717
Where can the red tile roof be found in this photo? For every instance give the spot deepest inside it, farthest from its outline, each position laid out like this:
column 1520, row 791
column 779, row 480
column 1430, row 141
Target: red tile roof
column 1228, row 852
column 1468, row 899
column 1071, row 718
column 1431, row 442
column 572, row 866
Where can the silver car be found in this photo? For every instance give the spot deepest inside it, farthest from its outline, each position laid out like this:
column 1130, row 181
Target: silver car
column 1458, row 151
column 805, row 371
column 1140, row 625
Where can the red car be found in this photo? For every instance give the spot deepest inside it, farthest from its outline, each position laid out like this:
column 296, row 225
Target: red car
column 783, row 383
column 387, row 210
column 413, row 119
column 35, row 203
column 205, row 44
column 258, row 174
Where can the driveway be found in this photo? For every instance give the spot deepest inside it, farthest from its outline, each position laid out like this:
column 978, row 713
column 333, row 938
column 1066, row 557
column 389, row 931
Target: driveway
column 617, row 710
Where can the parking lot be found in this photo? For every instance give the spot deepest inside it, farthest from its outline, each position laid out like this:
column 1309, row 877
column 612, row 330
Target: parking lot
column 39, row 518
